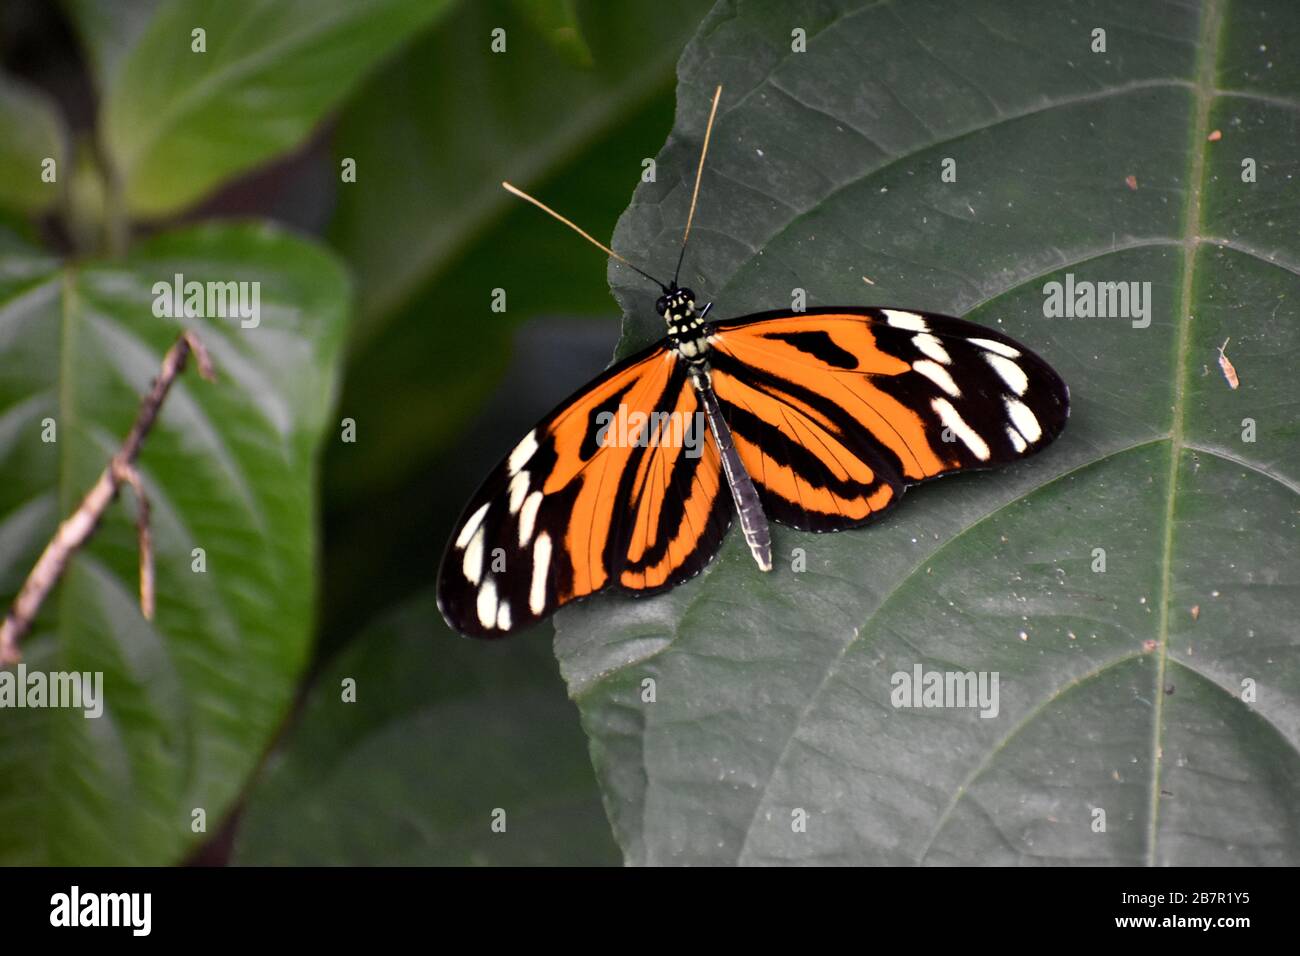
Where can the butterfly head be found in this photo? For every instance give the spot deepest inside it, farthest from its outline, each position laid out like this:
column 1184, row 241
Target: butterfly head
column 686, row 328
column 677, row 306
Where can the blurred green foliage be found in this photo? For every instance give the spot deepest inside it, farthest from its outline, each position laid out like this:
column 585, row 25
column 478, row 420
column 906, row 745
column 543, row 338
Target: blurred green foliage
column 165, row 127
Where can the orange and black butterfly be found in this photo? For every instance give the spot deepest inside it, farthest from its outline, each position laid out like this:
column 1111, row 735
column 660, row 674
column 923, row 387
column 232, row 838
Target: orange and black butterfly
column 818, row 420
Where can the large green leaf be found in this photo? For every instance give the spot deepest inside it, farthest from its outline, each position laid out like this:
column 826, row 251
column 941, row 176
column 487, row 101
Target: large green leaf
column 442, row 736
column 1120, row 691
column 191, row 699
column 276, row 66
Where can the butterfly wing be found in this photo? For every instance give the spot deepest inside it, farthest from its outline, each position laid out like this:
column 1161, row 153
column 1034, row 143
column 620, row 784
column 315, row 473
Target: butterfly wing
column 620, row 486
column 836, row 411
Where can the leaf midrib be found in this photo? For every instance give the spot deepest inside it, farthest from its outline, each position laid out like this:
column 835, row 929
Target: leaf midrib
column 1206, row 58
column 66, row 412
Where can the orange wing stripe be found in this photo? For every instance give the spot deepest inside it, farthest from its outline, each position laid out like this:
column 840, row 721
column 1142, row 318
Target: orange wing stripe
column 598, row 478
column 802, row 427
column 888, row 420
column 699, row 505
column 666, row 449
column 810, row 432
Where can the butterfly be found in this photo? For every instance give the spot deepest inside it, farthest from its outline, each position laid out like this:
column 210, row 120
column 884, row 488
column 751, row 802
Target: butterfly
column 818, row 420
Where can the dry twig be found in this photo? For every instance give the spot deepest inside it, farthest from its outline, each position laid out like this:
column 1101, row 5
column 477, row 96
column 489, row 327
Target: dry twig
column 76, row 530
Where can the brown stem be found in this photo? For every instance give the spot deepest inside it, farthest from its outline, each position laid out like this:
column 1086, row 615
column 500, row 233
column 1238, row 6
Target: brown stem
column 77, row 528
column 127, row 474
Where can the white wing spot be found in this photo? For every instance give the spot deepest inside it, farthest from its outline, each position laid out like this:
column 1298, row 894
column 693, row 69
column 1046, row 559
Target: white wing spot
column 998, row 347
column 1024, row 420
column 472, row 563
column 471, row 525
column 541, row 567
column 937, row 374
column 487, row 604
column 1011, row 373
column 503, row 616
column 931, row 347
column 906, row 320
column 1016, row 439
column 523, row 451
column 948, row 415
column 518, row 490
column 528, row 517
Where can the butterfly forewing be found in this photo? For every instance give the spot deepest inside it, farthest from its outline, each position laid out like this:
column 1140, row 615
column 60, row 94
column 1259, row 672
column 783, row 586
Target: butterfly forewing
column 619, row 486
column 836, row 411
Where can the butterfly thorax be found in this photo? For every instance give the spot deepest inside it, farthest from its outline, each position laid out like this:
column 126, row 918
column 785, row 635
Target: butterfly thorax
column 686, row 327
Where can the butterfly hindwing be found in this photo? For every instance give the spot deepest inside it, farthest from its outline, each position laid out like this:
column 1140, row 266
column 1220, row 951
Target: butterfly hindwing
column 602, row 493
column 816, row 467
column 836, row 411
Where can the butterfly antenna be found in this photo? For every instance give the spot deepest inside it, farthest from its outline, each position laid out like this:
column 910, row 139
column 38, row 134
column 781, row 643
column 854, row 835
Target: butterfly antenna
column 580, row 231
column 699, row 173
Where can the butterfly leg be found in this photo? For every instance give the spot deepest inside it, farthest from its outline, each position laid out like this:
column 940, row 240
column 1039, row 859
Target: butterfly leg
column 753, row 522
